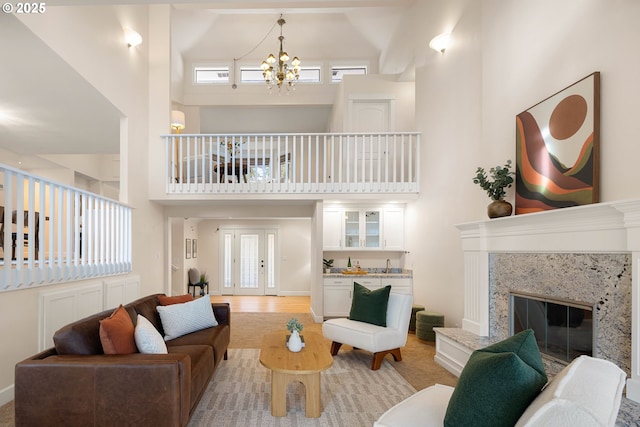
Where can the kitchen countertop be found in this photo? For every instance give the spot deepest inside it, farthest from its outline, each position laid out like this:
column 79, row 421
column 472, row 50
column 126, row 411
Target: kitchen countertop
column 372, row 272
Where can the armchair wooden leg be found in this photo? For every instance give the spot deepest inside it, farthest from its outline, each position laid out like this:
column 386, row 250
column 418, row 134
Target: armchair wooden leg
column 335, row 346
column 379, row 356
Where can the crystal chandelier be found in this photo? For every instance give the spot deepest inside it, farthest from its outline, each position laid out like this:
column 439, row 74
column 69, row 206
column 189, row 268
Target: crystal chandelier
column 277, row 72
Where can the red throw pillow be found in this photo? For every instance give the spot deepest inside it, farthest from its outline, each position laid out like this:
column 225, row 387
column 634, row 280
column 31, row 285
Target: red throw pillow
column 178, row 299
column 116, row 333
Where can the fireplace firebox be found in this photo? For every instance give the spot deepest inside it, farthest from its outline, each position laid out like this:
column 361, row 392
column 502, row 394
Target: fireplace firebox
column 564, row 329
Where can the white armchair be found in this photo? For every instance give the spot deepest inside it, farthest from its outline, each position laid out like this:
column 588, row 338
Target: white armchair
column 586, row 393
column 379, row 340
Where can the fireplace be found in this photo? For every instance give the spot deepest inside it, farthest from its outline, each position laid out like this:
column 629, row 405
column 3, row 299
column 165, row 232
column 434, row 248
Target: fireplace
column 563, row 329
column 599, row 281
column 587, row 253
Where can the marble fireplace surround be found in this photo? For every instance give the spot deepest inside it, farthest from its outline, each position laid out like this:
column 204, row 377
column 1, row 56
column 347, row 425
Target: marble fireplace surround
column 587, row 253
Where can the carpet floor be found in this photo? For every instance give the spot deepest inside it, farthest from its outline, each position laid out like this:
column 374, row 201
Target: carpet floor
column 351, row 394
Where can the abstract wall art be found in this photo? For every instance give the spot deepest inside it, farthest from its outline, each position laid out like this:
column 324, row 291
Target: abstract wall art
column 557, row 149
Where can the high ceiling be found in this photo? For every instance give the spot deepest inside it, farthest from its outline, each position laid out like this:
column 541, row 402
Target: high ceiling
column 59, row 112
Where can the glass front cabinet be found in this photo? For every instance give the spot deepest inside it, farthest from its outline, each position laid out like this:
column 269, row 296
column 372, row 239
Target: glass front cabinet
column 362, row 229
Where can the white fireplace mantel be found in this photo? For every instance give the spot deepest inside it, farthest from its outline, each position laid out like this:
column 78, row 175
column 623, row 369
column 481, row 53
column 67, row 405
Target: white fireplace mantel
column 597, row 228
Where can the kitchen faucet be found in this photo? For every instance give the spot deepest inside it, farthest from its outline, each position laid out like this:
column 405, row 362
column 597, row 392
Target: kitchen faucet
column 388, row 266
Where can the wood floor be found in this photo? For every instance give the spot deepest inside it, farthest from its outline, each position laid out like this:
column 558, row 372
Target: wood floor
column 265, row 304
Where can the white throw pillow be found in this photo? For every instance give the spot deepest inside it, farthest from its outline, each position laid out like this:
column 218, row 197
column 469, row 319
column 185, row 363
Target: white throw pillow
column 148, row 339
column 182, row 319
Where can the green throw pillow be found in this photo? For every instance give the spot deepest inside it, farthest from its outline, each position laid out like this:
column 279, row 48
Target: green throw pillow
column 370, row 306
column 497, row 384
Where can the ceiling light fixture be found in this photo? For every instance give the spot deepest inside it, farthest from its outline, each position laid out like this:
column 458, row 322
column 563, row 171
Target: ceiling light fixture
column 133, row 38
column 440, row 42
column 277, row 72
column 177, row 121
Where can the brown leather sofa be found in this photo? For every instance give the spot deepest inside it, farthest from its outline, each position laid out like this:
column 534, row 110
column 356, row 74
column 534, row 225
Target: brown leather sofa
column 76, row 384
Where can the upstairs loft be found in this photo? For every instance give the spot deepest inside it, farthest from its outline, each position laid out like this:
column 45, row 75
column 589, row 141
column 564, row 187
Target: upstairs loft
column 311, row 165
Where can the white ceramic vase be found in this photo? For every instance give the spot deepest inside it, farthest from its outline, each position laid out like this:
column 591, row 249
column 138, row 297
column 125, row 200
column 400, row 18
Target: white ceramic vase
column 295, row 343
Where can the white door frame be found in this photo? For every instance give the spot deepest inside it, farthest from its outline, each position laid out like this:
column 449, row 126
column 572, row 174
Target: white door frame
column 229, row 263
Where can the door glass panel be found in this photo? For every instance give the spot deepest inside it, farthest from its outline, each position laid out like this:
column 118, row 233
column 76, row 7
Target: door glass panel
column 227, row 262
column 249, row 262
column 372, row 229
column 352, row 229
column 271, row 262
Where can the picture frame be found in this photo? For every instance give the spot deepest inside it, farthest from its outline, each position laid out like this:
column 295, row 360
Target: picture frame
column 187, row 249
column 558, row 149
column 194, row 248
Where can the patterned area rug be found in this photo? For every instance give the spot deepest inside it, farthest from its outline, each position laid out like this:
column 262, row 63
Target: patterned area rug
column 352, row 394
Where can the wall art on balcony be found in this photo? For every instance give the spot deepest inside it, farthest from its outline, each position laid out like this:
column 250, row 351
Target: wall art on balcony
column 187, row 247
column 557, row 149
column 194, row 248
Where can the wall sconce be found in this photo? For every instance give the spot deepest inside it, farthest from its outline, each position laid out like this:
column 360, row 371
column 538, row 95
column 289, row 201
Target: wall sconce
column 177, row 121
column 440, row 42
column 133, row 38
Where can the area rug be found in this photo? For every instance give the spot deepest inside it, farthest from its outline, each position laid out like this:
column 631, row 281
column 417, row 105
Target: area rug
column 352, row 394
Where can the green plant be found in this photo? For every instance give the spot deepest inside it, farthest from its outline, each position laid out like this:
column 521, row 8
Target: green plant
column 203, row 277
column 499, row 178
column 294, row 325
column 328, row 263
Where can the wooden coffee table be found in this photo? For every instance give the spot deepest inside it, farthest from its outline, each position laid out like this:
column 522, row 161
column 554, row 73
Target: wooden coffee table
column 286, row 366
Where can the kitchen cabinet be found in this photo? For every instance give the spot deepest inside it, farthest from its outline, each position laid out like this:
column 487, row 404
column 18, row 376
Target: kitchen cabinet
column 363, row 228
column 338, row 291
column 338, row 294
column 400, row 285
column 332, row 229
column 393, row 229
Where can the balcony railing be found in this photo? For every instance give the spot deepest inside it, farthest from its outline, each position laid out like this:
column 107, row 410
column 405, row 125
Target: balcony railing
column 292, row 163
column 51, row 233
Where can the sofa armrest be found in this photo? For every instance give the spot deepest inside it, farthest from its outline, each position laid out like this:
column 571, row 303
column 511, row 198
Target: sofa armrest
column 222, row 311
column 78, row 390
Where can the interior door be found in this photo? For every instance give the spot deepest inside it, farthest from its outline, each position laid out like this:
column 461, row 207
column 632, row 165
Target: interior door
column 369, row 115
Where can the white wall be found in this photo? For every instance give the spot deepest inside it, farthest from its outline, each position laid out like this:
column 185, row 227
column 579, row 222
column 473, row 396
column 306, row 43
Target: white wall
column 506, row 56
column 374, row 87
column 90, row 39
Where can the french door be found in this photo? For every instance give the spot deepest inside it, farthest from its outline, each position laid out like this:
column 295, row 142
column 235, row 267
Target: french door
column 247, row 261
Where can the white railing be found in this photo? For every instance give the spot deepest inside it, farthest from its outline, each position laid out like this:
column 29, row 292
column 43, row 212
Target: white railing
column 51, row 233
column 292, row 163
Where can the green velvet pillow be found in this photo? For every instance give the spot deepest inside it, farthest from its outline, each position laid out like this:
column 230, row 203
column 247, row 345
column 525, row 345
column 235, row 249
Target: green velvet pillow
column 497, row 384
column 370, row 306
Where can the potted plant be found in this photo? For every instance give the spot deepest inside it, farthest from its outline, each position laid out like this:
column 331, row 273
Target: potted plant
column 294, row 343
column 328, row 263
column 495, row 183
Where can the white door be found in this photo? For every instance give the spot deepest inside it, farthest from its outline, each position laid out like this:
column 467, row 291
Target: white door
column 368, row 152
column 248, row 261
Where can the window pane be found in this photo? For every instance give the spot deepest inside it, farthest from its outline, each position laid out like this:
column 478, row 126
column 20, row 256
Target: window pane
column 228, row 260
column 254, row 75
column 208, row 75
column 337, row 73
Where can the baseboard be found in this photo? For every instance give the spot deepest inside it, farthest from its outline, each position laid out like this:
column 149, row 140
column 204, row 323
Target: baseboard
column 448, row 364
column 294, row 293
column 6, row 395
column 316, row 318
column 633, row 389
